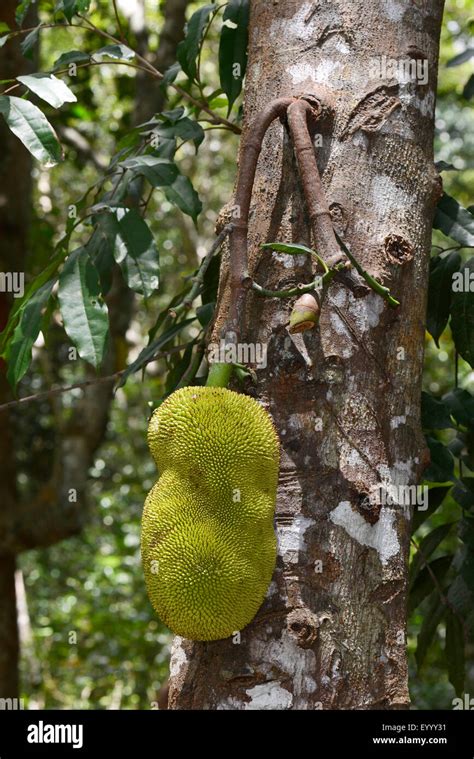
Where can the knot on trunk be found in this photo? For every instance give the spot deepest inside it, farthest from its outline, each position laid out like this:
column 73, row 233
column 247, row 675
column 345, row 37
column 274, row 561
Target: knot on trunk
column 303, row 625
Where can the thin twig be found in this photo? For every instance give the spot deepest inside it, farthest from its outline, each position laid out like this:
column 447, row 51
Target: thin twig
column 119, row 23
column 199, row 278
column 85, row 383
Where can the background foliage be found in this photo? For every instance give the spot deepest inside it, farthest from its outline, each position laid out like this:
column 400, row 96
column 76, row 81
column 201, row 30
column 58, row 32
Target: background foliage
column 136, row 196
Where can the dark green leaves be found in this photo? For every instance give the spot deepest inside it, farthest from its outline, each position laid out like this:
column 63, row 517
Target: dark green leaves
column 49, row 88
column 434, row 413
column 440, row 292
column 136, row 252
column 159, row 172
column 433, row 615
column 84, row 314
column 233, row 49
column 188, row 49
column 463, row 57
column 74, row 56
column 426, row 548
column 462, row 314
column 71, row 7
column 455, row 221
column 183, row 195
column 455, row 651
column 152, row 349
column 441, row 468
column 26, row 332
column 117, row 52
column 31, row 127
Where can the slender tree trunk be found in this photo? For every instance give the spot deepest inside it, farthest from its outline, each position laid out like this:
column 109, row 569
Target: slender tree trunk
column 345, row 397
column 15, row 208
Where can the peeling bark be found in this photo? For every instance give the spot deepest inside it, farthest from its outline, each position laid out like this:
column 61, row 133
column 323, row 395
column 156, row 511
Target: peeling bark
column 345, row 398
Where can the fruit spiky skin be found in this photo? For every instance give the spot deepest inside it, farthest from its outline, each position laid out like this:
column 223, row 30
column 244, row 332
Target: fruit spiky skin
column 208, row 544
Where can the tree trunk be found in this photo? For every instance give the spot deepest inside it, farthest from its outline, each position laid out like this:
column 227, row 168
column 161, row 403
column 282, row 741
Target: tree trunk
column 15, row 208
column 345, row 398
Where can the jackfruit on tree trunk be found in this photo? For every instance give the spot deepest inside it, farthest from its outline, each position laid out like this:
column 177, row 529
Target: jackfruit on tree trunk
column 208, row 542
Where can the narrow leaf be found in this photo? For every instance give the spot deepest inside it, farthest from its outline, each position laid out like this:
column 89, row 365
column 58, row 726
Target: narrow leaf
column 85, row 317
column 426, row 548
column 455, row 651
column 118, row 52
column 188, row 49
column 425, row 584
column 435, row 415
column 440, row 292
column 233, row 49
column 31, row 127
column 433, row 616
column 74, row 56
column 293, row 249
column 25, row 334
column 462, row 314
column 454, row 220
column 136, row 252
column 182, row 194
column 463, row 57
column 441, row 468
column 152, row 349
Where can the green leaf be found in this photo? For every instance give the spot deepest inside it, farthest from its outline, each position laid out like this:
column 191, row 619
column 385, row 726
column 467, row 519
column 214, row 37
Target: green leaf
column 433, row 616
column 436, row 497
column 26, row 332
column 441, row 468
column 463, row 57
column 118, row 52
column 152, row 349
column 85, row 317
column 463, row 492
column 233, row 49
column 170, row 75
column 290, row 248
column 468, row 91
column 183, row 195
column 4, row 39
column 49, row 88
column 21, row 11
column 29, row 43
column 31, row 127
column 424, row 583
column 184, row 128
column 462, row 315
column 435, row 415
column 440, row 292
column 455, row 651
column 4, row 27
column 19, row 305
column 461, row 406
column 71, row 7
column 160, row 172
column 426, row 548
column 188, row 49
column 205, row 313
column 136, row 252
column 74, row 56
column 454, row 220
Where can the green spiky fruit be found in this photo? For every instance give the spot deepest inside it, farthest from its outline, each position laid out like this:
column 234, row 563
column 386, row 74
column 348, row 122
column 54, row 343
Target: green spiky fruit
column 208, row 543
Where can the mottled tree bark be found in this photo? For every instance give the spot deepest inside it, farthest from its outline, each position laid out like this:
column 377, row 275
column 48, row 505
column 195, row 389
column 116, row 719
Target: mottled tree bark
column 345, row 398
